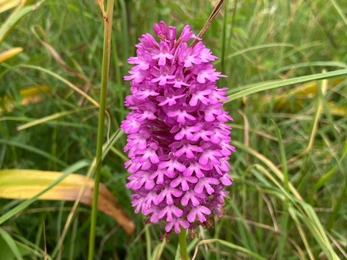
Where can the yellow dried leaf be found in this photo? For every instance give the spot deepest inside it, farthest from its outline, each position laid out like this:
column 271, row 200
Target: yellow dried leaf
column 8, row 54
column 30, row 95
column 294, row 99
column 24, row 184
column 337, row 110
column 33, row 94
column 27, row 92
column 8, row 4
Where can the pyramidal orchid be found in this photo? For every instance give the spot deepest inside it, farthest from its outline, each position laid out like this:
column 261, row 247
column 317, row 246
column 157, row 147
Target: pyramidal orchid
column 178, row 141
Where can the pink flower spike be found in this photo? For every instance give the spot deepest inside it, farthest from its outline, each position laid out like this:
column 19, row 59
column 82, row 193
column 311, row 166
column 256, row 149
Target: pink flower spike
column 178, row 134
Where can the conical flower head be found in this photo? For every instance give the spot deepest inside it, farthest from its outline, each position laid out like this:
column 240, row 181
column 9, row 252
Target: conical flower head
column 178, row 141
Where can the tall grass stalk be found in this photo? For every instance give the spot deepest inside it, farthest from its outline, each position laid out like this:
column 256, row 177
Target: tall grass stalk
column 183, row 244
column 101, row 123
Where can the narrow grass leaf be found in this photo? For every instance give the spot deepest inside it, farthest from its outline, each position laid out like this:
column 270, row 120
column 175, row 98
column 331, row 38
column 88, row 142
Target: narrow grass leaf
column 244, row 231
column 68, row 83
column 258, row 47
column 269, row 164
column 284, row 226
column 302, row 233
column 308, row 215
column 34, row 150
column 49, row 118
column 322, row 180
column 340, row 11
column 310, row 219
column 148, row 243
column 11, row 244
column 158, row 250
column 228, row 244
column 16, row 15
column 281, row 83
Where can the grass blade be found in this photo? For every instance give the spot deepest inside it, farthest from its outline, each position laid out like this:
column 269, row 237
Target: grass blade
column 282, row 83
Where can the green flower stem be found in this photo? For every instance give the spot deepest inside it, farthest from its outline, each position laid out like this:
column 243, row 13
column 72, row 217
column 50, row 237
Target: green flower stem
column 183, row 244
column 101, row 123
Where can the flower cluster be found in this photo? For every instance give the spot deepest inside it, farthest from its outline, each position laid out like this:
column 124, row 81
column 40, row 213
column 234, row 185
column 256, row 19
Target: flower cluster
column 178, row 141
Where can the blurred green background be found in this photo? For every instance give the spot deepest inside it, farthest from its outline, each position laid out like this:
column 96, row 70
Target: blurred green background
column 288, row 200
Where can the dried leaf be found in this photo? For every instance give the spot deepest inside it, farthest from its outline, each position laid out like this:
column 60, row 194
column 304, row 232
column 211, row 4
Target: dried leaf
column 33, row 94
column 24, row 184
column 295, row 98
column 30, row 95
column 8, row 4
column 8, row 54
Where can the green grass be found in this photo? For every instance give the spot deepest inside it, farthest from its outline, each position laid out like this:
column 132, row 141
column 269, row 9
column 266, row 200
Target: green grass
column 288, row 200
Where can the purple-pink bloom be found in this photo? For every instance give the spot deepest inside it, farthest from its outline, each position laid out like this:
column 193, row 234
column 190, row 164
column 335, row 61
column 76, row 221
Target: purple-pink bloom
column 178, row 140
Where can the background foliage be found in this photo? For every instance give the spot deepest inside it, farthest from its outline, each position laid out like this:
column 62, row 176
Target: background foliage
column 289, row 195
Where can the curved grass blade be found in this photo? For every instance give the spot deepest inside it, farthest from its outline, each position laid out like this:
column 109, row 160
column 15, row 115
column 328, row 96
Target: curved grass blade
column 51, row 117
column 75, row 88
column 34, row 150
column 285, row 218
column 281, row 83
column 304, row 210
column 11, row 244
column 228, row 244
column 16, row 15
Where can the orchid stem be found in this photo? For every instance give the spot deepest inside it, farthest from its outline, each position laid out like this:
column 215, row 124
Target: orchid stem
column 183, row 244
column 108, row 17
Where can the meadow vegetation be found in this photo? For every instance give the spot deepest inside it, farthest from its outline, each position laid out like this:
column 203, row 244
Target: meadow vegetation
column 286, row 63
